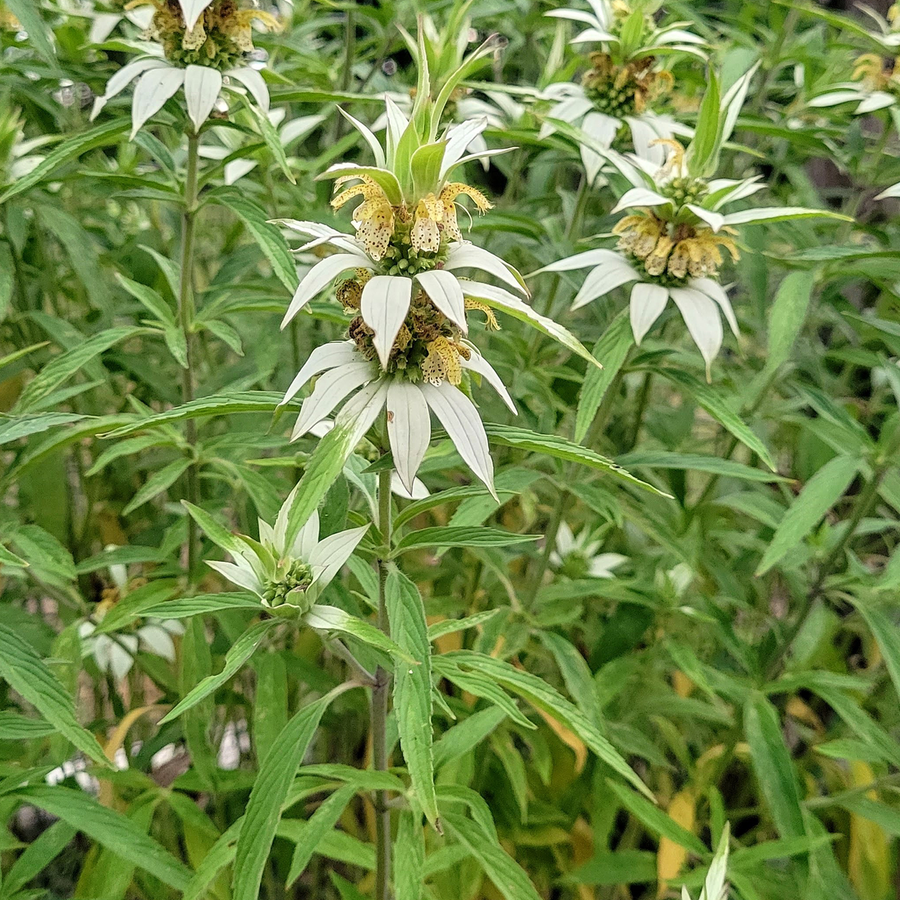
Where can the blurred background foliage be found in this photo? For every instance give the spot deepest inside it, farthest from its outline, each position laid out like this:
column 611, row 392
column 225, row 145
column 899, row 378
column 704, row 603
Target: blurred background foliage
column 744, row 657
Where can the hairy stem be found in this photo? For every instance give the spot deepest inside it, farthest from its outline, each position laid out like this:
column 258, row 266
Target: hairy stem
column 380, row 699
column 186, row 323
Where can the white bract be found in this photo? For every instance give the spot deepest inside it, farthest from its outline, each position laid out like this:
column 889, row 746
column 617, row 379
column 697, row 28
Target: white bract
column 671, row 247
column 292, row 576
column 875, row 86
column 408, row 350
column 179, row 61
column 579, row 557
column 619, row 89
column 715, row 887
column 114, row 652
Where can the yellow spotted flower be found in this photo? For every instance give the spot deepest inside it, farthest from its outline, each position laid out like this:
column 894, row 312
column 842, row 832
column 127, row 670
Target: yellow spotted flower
column 399, row 275
column 674, row 242
column 202, row 47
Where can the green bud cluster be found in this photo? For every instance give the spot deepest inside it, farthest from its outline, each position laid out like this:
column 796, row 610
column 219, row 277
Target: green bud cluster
column 401, row 258
column 295, row 576
column 615, row 102
column 685, row 190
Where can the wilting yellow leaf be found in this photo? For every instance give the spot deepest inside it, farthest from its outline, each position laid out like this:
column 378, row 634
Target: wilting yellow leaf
column 802, row 713
column 116, row 739
column 682, row 684
column 447, row 642
column 869, row 865
column 569, row 738
column 671, row 856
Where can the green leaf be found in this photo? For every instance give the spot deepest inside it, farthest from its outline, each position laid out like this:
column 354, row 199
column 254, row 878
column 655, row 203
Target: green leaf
column 322, row 468
column 612, row 351
column 505, row 873
column 788, row 315
column 544, row 697
column 38, row 856
column 268, row 236
column 219, row 405
column 7, row 281
column 463, row 738
column 16, row 727
column 657, row 821
column 885, row 633
column 272, row 138
column 204, row 604
column 616, row 869
column 721, row 411
column 695, row 462
column 159, row 481
column 426, row 167
column 560, row 448
column 409, row 851
column 26, row 673
column 412, row 689
column 8, row 558
column 320, row 823
column 330, row 618
column 217, row 533
column 461, row 537
column 148, row 298
column 276, row 774
column 67, row 364
column 65, row 152
column 237, row 655
column 819, row 494
column 114, row 831
column 12, row 428
column 382, row 177
column 704, row 145
column 773, row 766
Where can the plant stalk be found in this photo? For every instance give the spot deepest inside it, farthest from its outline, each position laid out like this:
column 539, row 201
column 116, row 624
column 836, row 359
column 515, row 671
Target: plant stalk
column 380, row 700
column 186, row 323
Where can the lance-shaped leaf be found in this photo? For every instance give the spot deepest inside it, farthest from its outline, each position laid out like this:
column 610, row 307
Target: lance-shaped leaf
column 412, row 689
column 240, row 652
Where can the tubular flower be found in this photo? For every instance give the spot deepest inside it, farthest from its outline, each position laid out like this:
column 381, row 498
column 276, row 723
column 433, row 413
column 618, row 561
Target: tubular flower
column 398, row 279
column 675, row 241
column 623, row 83
column 201, row 46
column 579, row 557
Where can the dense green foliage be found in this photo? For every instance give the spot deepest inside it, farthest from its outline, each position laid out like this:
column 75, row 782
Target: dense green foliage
column 680, row 613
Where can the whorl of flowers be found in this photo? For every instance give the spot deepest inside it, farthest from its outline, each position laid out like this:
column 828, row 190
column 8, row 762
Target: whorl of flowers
column 670, row 246
column 200, row 45
column 219, row 37
column 408, row 350
column 624, row 80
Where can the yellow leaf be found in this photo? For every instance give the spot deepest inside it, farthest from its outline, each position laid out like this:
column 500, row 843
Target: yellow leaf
column 671, row 856
column 869, row 862
column 116, row 739
column 569, row 738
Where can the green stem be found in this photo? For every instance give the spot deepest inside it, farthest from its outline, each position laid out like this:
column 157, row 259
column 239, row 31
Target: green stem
column 186, row 323
column 380, row 699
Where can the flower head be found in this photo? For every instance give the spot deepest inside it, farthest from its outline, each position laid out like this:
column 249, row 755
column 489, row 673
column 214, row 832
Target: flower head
column 397, row 280
column 579, row 557
column 288, row 576
column 619, row 90
column 200, row 45
column 674, row 242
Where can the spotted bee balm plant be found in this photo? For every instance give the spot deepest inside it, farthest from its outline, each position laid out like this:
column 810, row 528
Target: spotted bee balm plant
column 462, row 585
